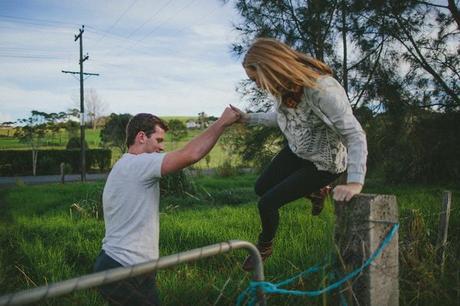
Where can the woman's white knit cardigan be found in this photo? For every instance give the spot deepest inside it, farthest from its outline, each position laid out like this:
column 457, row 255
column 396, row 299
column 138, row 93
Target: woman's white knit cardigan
column 322, row 129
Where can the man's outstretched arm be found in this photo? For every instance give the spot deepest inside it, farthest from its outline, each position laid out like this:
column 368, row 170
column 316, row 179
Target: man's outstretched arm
column 199, row 146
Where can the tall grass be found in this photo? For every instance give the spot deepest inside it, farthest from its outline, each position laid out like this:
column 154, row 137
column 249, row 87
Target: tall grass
column 42, row 242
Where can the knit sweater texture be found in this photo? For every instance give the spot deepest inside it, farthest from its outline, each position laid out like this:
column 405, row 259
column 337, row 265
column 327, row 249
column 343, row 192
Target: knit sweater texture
column 322, row 129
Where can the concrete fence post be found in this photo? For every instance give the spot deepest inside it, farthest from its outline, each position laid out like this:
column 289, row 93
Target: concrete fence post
column 361, row 225
column 443, row 227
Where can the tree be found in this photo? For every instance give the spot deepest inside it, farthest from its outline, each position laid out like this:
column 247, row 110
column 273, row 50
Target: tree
column 75, row 143
column 202, row 120
column 385, row 35
column 7, row 125
column 32, row 131
column 95, row 107
column 113, row 134
column 403, row 29
column 72, row 128
column 54, row 122
column 177, row 130
column 395, row 58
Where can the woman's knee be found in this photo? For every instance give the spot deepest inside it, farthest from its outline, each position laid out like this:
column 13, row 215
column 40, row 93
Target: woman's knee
column 260, row 188
column 265, row 205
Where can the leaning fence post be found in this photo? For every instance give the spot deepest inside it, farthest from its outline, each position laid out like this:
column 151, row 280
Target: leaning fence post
column 443, row 226
column 62, row 172
column 361, row 225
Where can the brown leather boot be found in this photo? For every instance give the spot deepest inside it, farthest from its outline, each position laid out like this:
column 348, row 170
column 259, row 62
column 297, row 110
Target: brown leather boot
column 265, row 250
column 317, row 199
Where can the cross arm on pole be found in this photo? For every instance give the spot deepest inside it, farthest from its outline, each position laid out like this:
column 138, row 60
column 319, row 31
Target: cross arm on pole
column 74, row 72
column 81, row 32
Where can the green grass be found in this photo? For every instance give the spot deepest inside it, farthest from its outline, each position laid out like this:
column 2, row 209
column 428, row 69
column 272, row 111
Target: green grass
column 42, row 242
column 57, row 141
column 184, row 119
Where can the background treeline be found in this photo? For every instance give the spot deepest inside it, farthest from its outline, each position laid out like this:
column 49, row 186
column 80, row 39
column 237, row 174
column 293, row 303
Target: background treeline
column 39, row 143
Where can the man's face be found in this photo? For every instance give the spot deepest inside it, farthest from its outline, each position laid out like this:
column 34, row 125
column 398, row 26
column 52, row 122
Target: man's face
column 155, row 143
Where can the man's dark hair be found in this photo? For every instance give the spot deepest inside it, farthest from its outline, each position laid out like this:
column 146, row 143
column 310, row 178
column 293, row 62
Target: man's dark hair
column 144, row 122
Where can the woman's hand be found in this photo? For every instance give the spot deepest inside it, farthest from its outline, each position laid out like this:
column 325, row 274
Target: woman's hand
column 229, row 116
column 243, row 115
column 346, row 192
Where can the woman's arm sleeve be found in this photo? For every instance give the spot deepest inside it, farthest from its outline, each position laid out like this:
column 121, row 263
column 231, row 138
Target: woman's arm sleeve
column 267, row 119
column 334, row 103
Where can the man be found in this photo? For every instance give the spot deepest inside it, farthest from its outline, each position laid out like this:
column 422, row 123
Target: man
column 131, row 201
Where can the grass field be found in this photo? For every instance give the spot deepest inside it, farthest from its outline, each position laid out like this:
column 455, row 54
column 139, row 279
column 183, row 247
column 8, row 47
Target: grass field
column 57, row 141
column 43, row 242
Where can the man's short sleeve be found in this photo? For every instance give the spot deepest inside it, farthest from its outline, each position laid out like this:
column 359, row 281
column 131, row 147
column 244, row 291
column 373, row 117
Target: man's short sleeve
column 147, row 166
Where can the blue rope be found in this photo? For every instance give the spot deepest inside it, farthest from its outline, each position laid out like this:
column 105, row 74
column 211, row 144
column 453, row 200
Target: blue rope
column 268, row 287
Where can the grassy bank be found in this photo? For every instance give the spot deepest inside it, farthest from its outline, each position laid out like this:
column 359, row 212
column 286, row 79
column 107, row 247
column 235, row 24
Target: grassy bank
column 42, row 242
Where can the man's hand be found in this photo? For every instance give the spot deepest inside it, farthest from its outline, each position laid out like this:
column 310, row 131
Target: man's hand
column 229, row 116
column 243, row 116
column 199, row 146
column 346, row 192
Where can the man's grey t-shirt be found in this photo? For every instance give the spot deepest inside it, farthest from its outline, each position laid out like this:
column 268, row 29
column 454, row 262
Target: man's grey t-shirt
column 131, row 201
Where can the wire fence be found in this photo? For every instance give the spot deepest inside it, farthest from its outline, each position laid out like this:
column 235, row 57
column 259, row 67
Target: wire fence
column 117, row 274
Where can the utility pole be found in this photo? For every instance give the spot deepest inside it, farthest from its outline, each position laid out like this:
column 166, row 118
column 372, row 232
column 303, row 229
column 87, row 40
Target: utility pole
column 82, row 104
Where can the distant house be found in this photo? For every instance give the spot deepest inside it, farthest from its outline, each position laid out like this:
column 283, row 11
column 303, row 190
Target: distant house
column 191, row 124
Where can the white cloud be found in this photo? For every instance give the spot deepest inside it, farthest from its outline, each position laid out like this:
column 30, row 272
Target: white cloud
column 178, row 61
column 6, row 118
column 18, row 103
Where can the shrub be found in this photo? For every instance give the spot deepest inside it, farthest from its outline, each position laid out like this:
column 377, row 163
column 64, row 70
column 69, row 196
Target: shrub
column 233, row 196
column 226, row 169
column 88, row 207
column 19, row 162
column 178, row 183
column 74, row 143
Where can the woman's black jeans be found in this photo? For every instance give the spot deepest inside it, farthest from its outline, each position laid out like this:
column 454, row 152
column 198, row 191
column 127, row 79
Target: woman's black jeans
column 287, row 178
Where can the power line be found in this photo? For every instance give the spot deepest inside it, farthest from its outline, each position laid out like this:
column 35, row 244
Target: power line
column 143, row 24
column 113, row 35
column 147, row 21
column 36, row 21
column 171, row 17
column 30, row 57
column 116, row 21
column 206, row 15
column 156, row 27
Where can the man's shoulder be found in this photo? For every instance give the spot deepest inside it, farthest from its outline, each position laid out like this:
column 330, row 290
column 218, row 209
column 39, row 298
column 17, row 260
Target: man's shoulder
column 143, row 157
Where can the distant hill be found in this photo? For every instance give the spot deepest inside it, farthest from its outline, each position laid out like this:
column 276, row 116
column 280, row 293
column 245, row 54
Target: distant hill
column 181, row 118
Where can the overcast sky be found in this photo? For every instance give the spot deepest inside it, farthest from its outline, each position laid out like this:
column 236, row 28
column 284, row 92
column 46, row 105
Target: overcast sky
column 167, row 57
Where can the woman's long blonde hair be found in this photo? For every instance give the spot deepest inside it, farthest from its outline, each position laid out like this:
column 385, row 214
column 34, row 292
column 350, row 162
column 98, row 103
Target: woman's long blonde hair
column 280, row 69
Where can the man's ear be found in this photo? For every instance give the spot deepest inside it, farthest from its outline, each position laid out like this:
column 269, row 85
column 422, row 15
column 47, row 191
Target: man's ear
column 141, row 137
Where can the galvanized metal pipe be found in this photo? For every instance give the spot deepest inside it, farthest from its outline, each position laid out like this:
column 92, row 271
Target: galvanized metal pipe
column 113, row 275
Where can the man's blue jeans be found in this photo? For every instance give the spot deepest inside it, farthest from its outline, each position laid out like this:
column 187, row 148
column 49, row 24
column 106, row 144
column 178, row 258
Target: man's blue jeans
column 139, row 290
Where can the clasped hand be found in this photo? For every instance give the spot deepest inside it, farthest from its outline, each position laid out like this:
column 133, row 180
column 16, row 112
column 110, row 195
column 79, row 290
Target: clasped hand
column 346, row 192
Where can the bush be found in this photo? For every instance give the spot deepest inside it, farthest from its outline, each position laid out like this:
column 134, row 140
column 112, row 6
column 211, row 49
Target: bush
column 178, row 183
column 19, row 162
column 226, row 169
column 425, row 152
column 6, row 169
column 74, row 143
column 233, row 196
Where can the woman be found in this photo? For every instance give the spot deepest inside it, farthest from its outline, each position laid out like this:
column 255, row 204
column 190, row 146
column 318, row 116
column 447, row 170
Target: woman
column 324, row 138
